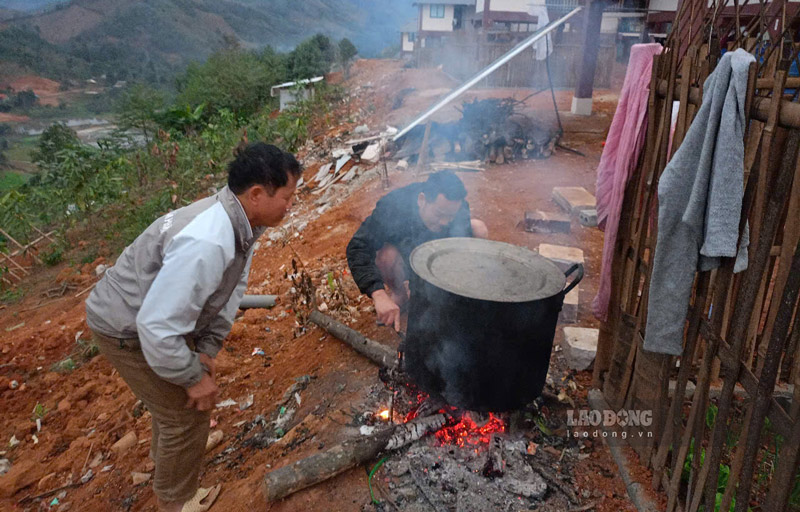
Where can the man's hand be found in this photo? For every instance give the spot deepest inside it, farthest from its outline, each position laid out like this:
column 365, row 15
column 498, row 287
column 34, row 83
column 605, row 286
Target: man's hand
column 206, row 360
column 387, row 310
column 203, row 395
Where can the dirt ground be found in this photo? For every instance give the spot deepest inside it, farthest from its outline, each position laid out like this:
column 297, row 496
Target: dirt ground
column 90, row 408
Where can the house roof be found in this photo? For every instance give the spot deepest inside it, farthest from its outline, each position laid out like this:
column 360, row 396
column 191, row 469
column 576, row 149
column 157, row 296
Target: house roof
column 447, row 2
column 411, row 26
column 292, row 84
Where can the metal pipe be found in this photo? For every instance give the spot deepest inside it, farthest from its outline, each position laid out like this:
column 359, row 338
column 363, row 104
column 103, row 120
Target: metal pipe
column 258, row 301
column 488, row 71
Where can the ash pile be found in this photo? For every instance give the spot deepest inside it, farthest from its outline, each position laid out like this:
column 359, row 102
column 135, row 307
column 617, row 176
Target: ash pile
column 468, row 478
column 491, row 130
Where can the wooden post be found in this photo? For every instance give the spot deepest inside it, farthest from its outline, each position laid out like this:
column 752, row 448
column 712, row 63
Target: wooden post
column 582, row 99
column 423, row 151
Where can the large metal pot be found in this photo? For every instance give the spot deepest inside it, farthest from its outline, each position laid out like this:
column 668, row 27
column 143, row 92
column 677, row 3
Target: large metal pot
column 481, row 321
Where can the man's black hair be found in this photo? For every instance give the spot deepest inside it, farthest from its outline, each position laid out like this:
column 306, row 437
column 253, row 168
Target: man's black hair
column 445, row 183
column 261, row 164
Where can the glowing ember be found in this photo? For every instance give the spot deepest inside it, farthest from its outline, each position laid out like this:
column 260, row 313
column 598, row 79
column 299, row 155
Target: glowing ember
column 384, row 414
column 467, row 432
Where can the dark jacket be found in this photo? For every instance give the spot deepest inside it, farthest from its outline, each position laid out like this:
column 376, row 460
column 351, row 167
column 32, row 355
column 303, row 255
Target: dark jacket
column 395, row 221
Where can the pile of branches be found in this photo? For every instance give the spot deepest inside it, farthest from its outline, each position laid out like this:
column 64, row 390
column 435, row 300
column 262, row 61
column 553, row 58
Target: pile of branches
column 491, row 130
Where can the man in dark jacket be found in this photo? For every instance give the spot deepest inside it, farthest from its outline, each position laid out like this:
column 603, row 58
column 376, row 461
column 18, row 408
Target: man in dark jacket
column 405, row 218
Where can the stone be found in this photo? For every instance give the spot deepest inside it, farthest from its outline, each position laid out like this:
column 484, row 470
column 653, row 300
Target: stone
column 569, row 312
column 562, row 255
column 573, row 199
column 372, row 154
column 47, row 482
column 361, row 129
column 140, row 478
column 5, row 465
column 125, row 443
column 547, row 222
column 214, row 439
column 64, row 405
column 22, row 474
column 402, row 165
column 588, row 218
column 580, row 346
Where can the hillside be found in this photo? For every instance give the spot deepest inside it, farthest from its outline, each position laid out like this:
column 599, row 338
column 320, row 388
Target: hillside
column 151, row 38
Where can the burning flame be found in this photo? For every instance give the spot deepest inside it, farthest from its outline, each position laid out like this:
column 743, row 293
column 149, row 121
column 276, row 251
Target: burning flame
column 384, row 415
column 467, row 432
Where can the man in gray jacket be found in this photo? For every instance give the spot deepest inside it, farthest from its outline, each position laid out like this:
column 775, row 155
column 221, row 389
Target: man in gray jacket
column 161, row 312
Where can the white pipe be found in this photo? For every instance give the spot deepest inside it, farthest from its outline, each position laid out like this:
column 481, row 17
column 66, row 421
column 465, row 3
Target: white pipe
column 486, row 72
column 258, row 301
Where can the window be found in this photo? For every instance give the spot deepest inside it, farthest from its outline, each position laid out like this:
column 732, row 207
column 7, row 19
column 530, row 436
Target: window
column 437, row 11
column 412, row 36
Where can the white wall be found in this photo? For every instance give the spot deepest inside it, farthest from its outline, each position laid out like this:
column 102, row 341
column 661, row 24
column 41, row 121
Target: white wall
column 609, row 24
column 510, row 5
column 437, row 24
column 663, row 5
column 408, row 46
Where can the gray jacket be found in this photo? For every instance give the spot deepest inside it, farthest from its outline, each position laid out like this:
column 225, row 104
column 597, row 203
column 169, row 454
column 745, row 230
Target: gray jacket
column 180, row 281
column 700, row 203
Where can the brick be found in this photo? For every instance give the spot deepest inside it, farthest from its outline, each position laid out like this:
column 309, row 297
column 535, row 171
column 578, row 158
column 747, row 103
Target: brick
column 574, row 199
column 580, row 346
column 588, row 218
column 561, row 255
column 547, row 222
column 569, row 312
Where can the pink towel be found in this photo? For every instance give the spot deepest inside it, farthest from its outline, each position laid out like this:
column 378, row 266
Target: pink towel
column 623, row 145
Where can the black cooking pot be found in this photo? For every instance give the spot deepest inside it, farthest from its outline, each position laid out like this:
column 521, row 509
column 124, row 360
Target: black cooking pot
column 481, row 321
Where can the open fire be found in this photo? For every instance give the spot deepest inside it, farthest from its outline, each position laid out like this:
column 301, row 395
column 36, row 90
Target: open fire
column 464, row 429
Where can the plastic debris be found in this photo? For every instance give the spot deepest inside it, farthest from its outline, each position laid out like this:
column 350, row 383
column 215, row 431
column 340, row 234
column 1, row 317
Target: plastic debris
column 226, row 403
column 13, row 441
column 106, row 469
column 258, row 351
column 367, row 430
column 54, row 503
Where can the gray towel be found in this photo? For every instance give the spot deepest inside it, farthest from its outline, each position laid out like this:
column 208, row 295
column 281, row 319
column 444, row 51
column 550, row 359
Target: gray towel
column 700, row 203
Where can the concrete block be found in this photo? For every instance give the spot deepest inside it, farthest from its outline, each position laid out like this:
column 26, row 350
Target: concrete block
column 580, row 346
column 588, row 218
column 561, row 255
column 574, row 199
column 569, row 312
column 581, row 106
column 547, row 222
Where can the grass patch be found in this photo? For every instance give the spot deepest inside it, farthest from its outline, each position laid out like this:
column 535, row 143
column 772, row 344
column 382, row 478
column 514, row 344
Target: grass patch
column 11, row 180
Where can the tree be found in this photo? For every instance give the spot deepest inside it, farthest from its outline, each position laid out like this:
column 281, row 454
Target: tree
column 234, row 80
column 137, row 109
column 307, row 61
column 57, row 137
column 347, row 51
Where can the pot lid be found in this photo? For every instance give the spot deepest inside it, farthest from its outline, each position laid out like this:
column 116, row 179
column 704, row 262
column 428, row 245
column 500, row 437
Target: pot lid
column 487, row 270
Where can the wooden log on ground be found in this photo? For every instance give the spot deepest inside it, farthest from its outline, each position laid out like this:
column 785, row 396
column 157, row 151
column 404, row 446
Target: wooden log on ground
column 319, row 467
column 376, row 352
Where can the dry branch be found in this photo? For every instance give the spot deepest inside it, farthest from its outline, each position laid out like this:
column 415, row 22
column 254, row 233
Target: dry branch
column 376, row 352
column 319, row 467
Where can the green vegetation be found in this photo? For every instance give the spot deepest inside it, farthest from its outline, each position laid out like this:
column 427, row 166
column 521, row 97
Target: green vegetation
column 117, row 189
